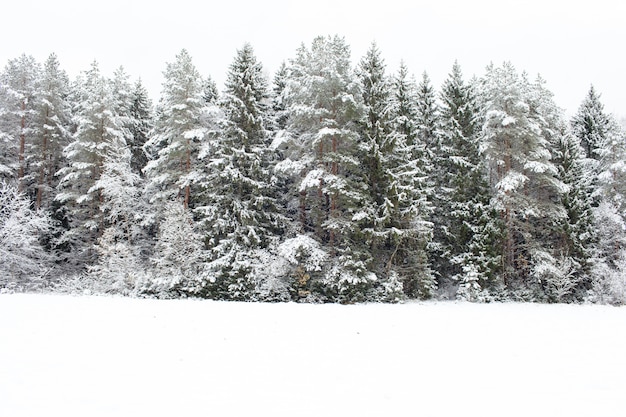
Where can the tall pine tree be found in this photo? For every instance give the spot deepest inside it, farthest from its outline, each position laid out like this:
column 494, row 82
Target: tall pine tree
column 240, row 210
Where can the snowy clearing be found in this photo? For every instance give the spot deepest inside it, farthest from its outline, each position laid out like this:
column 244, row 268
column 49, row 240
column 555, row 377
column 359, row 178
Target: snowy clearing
column 90, row 356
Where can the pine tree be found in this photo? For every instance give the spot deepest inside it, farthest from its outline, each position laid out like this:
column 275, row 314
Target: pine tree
column 576, row 230
column 23, row 261
column 428, row 123
column 325, row 106
column 240, row 211
column 178, row 133
column 52, row 131
column 119, row 246
column 409, row 190
column 19, row 87
column 211, row 94
column 522, row 177
column 98, row 128
column 463, row 199
column 278, row 105
column 177, row 264
column 140, row 126
column 590, row 124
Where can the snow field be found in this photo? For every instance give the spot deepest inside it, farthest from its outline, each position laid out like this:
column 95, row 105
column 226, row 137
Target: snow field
column 90, row 356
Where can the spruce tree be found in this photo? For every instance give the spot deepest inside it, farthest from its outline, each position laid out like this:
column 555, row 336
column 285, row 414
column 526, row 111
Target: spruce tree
column 52, row 132
column 278, row 104
column 523, row 179
column 407, row 202
column 463, row 198
column 239, row 211
column 178, row 134
column 19, row 89
column 325, row 105
column 591, row 124
column 140, row 126
column 428, row 124
column 577, row 233
column 98, row 128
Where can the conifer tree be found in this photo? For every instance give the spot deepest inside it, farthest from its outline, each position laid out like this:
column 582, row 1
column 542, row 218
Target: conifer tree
column 406, row 207
column 325, row 105
column 591, row 124
column 428, row 124
column 576, row 230
column 463, row 199
column 278, row 104
column 140, row 126
column 23, row 261
column 19, row 88
column 522, row 176
column 178, row 133
column 52, row 131
column 98, row 127
column 240, row 211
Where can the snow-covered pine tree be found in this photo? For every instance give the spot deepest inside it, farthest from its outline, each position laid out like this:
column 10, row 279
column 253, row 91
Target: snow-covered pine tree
column 239, row 208
column 591, row 124
column 177, row 265
column 23, row 261
column 119, row 246
column 428, row 125
column 463, row 194
column 178, row 134
column 278, row 105
column 140, row 126
column 19, row 88
column 523, row 178
column 211, row 93
column 376, row 143
column 98, row 127
column 409, row 190
column 52, row 132
column 325, row 105
column 576, row 231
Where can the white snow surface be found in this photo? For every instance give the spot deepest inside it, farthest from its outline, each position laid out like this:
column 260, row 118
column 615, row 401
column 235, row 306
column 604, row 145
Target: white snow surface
column 92, row 356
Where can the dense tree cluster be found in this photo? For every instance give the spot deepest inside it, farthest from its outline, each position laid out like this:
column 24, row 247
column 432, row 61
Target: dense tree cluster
column 333, row 183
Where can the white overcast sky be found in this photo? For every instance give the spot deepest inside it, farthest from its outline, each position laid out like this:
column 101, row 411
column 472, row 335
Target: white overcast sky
column 572, row 44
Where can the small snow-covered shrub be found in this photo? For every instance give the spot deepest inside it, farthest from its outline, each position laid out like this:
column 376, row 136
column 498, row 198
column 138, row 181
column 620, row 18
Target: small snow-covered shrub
column 609, row 282
column 23, row 261
column 557, row 276
column 469, row 287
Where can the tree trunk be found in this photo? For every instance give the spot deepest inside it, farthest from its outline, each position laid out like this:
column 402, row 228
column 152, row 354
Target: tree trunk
column 20, row 173
column 187, row 169
column 42, row 169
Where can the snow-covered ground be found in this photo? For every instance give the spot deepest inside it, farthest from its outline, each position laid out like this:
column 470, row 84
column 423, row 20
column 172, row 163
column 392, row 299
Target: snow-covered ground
column 88, row 356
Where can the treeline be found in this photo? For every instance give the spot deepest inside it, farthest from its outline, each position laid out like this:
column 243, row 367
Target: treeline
column 329, row 183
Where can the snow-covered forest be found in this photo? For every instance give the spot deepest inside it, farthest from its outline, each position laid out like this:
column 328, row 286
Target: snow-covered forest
column 331, row 181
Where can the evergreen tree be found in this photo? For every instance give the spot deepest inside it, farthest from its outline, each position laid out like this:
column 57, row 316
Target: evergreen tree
column 278, row 105
column 22, row 259
column 428, row 124
column 98, row 128
column 19, row 88
column 463, row 198
column 522, row 177
column 177, row 264
column 576, row 230
column 325, row 106
column 178, row 133
column 119, row 246
column 140, row 126
column 52, row 131
column 591, row 124
column 211, row 94
column 240, row 211
column 406, row 206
